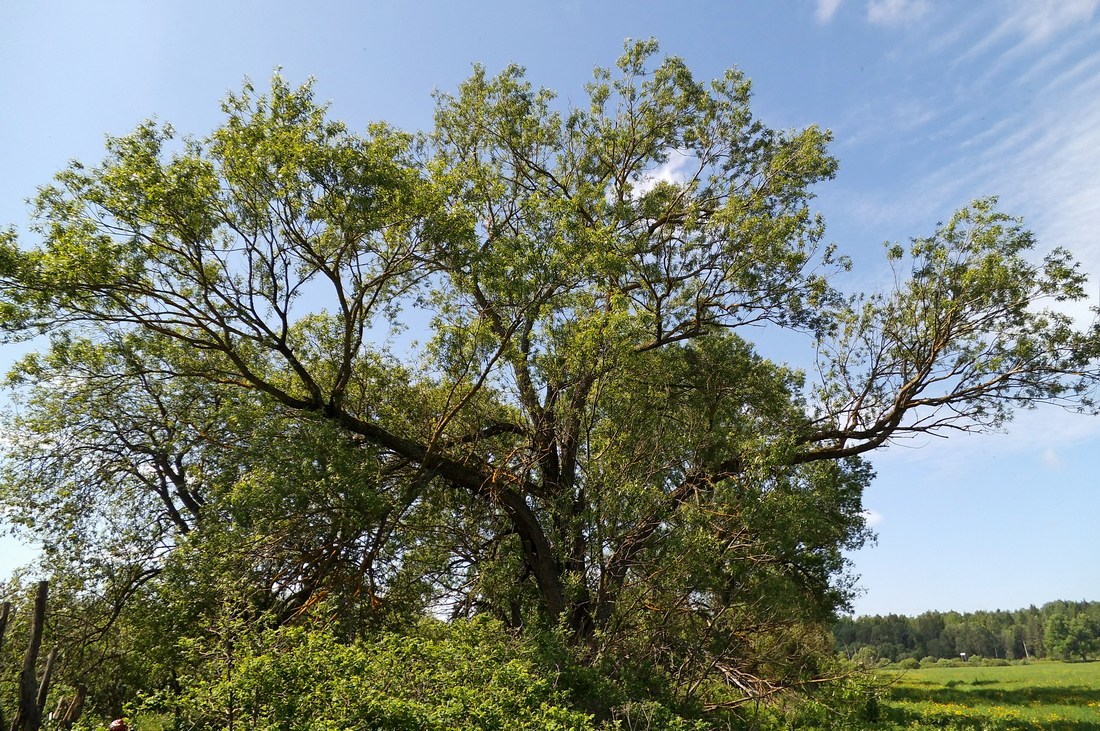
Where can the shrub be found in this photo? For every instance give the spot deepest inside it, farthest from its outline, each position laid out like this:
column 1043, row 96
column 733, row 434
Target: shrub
column 909, row 664
column 464, row 676
column 865, row 657
column 849, row 703
column 458, row 676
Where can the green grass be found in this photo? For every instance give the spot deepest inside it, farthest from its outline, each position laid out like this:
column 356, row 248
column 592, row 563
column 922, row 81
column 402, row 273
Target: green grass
column 1051, row 696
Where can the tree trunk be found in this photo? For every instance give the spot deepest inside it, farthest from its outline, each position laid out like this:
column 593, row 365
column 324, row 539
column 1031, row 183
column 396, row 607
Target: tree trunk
column 5, row 612
column 72, row 713
column 28, row 717
column 44, row 685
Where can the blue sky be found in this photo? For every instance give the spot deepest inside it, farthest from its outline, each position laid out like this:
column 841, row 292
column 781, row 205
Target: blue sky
column 931, row 104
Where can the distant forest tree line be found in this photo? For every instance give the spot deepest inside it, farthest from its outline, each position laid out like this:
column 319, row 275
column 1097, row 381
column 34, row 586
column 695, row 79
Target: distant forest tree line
column 1061, row 630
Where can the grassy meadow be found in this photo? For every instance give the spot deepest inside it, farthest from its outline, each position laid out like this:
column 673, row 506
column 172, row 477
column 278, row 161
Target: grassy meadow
column 1044, row 695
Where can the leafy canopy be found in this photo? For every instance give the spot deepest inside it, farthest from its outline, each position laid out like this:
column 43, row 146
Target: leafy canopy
column 501, row 367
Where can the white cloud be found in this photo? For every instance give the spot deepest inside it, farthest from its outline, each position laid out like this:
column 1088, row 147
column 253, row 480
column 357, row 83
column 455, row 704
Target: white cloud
column 826, row 9
column 1043, row 433
column 1052, row 460
column 1057, row 26
column 1042, row 161
column 893, row 118
column 1040, row 153
column 1038, row 22
column 872, row 517
column 674, row 170
column 894, row 13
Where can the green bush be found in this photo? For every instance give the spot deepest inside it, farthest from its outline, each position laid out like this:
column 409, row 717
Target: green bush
column 865, row 657
column 909, row 664
column 465, row 676
column 849, row 703
column 460, row 676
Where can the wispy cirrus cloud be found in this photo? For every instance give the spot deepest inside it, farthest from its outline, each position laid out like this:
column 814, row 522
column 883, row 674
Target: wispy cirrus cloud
column 1044, row 434
column 1042, row 35
column 896, row 13
column 1043, row 162
column 1040, row 22
column 1021, row 121
column 1043, row 156
column 826, row 9
column 889, row 117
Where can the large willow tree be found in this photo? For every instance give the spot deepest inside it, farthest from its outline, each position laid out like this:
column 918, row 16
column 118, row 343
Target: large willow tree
column 506, row 366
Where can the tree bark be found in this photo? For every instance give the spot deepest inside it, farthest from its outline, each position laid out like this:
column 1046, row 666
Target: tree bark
column 28, row 717
column 44, row 684
column 72, row 713
column 5, row 612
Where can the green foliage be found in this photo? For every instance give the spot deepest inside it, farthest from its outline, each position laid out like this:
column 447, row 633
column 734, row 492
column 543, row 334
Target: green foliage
column 585, row 443
column 999, row 635
column 463, row 675
column 967, row 330
column 1073, row 636
column 467, row 674
column 848, row 701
